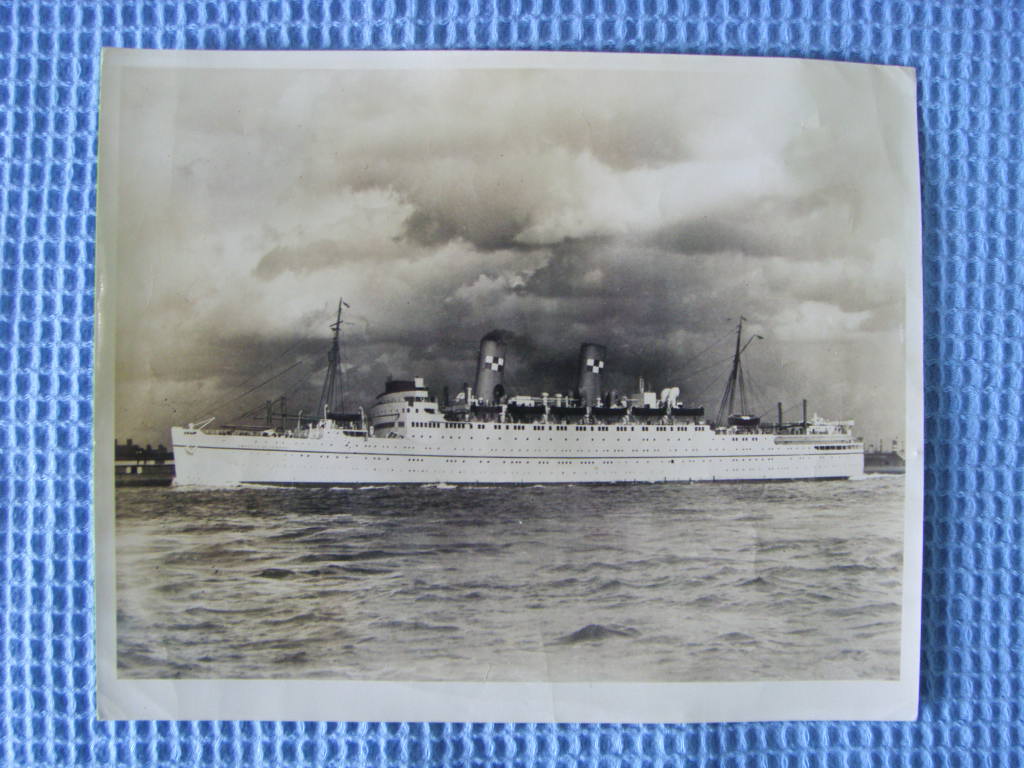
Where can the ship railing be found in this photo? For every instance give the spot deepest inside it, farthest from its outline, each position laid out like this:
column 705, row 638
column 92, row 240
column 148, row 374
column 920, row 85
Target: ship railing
column 250, row 430
column 229, row 429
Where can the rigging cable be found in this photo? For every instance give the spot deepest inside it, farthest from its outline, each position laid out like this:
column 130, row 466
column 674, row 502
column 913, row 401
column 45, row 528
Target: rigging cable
column 715, row 364
column 258, row 386
column 717, row 382
column 758, row 399
column 301, row 382
column 193, row 408
column 694, row 357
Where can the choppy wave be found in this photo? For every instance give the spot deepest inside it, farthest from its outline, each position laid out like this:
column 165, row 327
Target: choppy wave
column 568, row 583
column 595, row 633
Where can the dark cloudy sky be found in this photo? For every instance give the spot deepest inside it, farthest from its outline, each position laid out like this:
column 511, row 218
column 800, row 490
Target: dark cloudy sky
column 643, row 209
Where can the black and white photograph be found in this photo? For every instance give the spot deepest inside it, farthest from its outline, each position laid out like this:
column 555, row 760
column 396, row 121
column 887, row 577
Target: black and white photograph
column 507, row 386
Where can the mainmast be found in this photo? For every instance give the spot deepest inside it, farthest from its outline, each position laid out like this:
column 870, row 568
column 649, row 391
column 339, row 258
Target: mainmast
column 330, row 396
column 736, row 383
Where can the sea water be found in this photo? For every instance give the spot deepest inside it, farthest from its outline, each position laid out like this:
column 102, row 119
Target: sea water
column 669, row 582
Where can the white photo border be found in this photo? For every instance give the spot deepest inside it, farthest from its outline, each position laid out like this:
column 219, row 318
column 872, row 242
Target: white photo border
column 120, row 699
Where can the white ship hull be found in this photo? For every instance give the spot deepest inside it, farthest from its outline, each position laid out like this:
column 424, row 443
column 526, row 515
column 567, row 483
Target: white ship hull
column 490, row 453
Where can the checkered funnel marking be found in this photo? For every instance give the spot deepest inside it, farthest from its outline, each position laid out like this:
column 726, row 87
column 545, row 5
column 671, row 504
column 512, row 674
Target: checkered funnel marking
column 591, row 366
column 490, row 368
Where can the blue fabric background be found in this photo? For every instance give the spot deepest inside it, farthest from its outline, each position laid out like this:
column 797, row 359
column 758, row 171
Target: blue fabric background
column 969, row 57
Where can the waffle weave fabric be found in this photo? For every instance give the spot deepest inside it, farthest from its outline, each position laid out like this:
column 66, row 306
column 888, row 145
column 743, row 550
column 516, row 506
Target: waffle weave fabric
column 970, row 60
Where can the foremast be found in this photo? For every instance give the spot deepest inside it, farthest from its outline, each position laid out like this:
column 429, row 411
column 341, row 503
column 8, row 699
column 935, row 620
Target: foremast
column 331, row 396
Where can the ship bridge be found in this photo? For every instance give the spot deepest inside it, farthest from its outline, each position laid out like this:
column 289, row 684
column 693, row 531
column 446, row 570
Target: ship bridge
column 403, row 401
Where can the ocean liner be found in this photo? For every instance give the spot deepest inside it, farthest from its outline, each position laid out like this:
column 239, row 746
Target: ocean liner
column 487, row 436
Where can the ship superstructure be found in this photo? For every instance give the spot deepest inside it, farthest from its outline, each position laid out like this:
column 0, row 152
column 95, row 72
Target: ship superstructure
column 485, row 435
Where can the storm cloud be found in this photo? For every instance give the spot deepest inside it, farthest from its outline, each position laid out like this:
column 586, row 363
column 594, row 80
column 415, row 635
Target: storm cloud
column 645, row 210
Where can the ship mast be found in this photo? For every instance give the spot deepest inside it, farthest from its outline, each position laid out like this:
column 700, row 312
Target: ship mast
column 736, row 383
column 330, row 395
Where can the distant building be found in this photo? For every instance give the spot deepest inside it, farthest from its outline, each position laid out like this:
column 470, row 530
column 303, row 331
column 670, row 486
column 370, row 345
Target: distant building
column 135, row 465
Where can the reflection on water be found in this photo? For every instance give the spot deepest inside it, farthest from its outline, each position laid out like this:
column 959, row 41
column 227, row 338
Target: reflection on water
column 672, row 582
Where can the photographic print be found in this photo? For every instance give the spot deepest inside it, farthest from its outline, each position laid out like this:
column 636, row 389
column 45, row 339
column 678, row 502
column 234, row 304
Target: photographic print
column 507, row 386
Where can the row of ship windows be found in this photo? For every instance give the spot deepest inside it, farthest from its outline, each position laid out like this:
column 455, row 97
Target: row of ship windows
column 472, row 472
column 531, row 462
column 541, row 427
column 841, row 447
column 645, row 439
column 474, row 460
column 484, row 460
column 637, row 444
column 580, row 446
